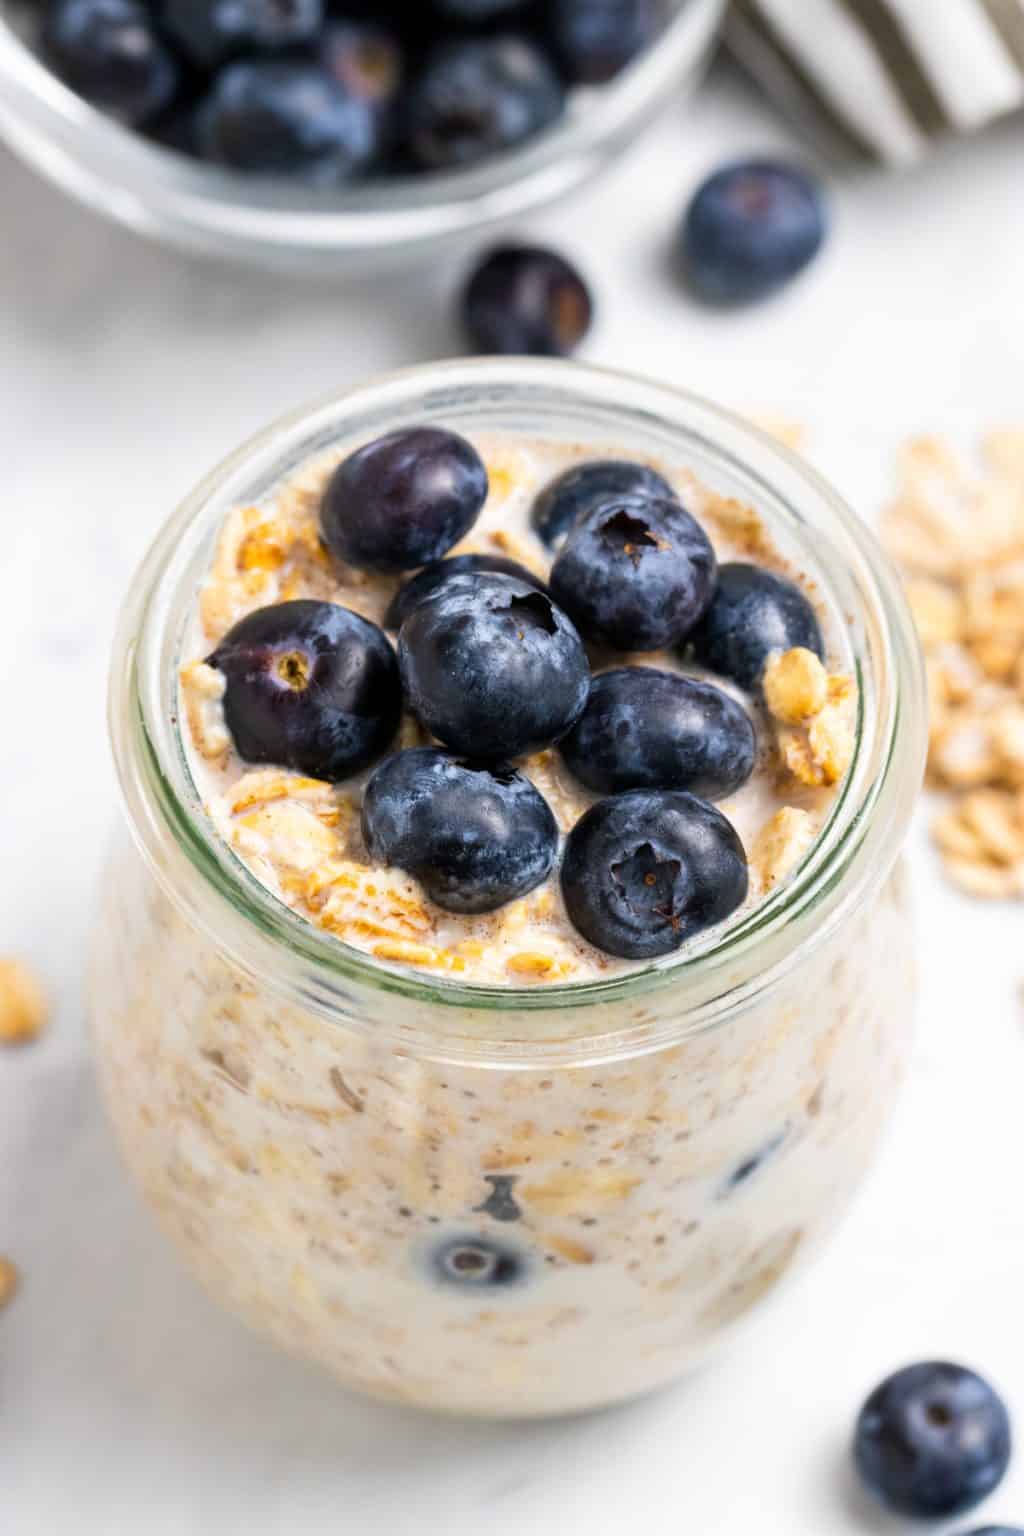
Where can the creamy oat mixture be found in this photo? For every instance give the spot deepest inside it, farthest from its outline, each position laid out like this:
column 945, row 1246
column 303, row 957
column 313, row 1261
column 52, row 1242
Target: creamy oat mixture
column 318, row 1177
column 301, row 837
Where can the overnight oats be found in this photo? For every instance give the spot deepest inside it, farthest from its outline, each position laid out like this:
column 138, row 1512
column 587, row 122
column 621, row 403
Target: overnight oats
column 509, row 976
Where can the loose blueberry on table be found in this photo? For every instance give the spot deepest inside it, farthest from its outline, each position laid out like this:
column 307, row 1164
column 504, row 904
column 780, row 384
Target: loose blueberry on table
column 526, row 300
column 750, row 229
column 932, row 1440
column 328, row 94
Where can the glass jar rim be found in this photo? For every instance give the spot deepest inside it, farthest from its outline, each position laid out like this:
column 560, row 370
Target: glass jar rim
column 155, row 190
column 858, row 843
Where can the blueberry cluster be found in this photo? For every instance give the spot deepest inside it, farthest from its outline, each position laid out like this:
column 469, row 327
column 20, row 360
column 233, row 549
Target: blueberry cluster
column 495, row 666
column 324, row 92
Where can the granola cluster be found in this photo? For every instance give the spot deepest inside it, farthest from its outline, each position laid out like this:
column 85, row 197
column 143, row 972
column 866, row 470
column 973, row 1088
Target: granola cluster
column 22, row 1004
column 813, row 716
column 8, row 1282
column 957, row 532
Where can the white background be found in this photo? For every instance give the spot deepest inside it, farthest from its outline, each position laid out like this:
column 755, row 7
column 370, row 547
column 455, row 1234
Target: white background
column 127, row 1403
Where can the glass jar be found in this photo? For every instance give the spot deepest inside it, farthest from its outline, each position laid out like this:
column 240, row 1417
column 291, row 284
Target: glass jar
column 288, row 227
column 484, row 1200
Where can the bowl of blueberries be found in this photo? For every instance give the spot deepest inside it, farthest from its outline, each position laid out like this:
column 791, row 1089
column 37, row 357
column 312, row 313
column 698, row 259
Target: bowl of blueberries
column 334, row 134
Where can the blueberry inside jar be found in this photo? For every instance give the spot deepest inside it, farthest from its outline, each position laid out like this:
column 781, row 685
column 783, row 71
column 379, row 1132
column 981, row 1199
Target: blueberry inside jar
column 500, row 1045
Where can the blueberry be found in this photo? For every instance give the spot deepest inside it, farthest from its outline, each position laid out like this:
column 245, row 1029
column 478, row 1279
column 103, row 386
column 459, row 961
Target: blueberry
column 310, row 686
column 501, row 1204
column 753, row 613
column 211, row 31
column 478, row 98
column 475, row 837
column 646, row 729
column 635, row 574
column 594, row 39
column 525, row 300
column 109, row 52
column 403, row 500
column 366, row 62
column 476, row 1263
column 645, row 871
column 478, row 10
column 439, row 572
column 932, row 1441
column 269, row 117
column 579, row 490
column 492, row 667
column 175, row 128
column 754, row 1163
column 749, row 229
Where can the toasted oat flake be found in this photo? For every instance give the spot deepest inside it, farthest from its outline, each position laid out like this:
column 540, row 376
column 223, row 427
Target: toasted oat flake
column 988, row 881
column 418, row 954
column 993, row 818
column 9, row 1281
column 958, row 533
column 531, row 965
column 937, row 610
column 782, row 842
column 202, row 689
column 23, row 1007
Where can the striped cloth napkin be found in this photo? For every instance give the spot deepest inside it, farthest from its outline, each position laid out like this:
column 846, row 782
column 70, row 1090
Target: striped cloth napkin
column 883, row 79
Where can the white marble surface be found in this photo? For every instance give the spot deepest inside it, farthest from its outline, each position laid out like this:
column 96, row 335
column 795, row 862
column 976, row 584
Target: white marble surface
column 127, row 1404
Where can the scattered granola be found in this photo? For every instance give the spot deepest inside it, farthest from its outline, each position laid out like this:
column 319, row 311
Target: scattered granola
column 957, row 533
column 8, row 1282
column 23, row 1006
